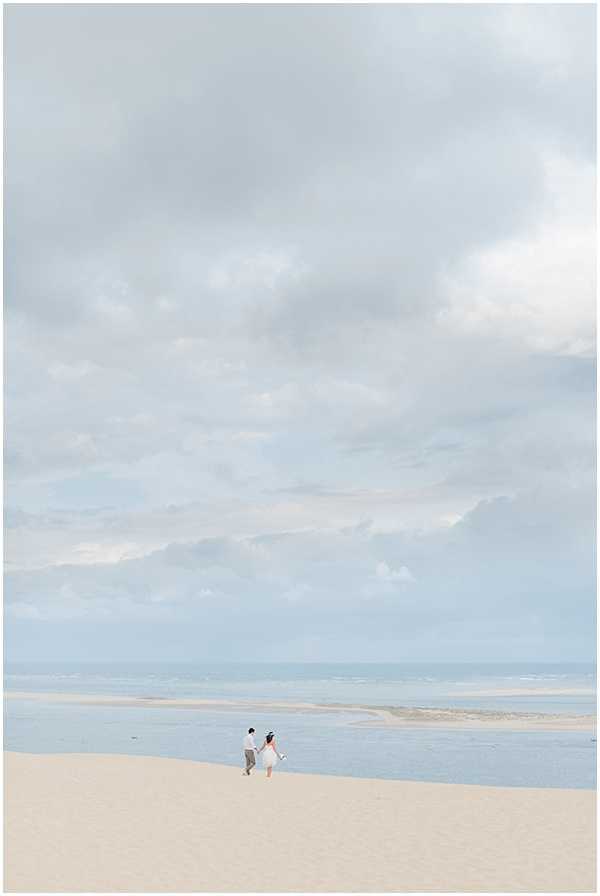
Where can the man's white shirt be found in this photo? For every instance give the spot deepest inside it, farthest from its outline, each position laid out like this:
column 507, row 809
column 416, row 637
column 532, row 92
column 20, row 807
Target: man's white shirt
column 249, row 742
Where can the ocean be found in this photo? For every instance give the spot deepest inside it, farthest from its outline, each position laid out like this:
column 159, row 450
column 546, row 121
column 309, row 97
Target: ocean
column 316, row 742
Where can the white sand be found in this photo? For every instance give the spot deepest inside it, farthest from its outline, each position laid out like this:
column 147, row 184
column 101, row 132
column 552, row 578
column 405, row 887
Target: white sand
column 134, row 824
column 403, row 716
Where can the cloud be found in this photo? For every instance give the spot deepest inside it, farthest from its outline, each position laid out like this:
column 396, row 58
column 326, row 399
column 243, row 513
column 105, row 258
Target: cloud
column 401, row 576
column 541, row 290
column 274, row 272
column 506, row 563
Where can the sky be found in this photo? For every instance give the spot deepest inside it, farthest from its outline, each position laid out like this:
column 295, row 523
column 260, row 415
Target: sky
column 300, row 332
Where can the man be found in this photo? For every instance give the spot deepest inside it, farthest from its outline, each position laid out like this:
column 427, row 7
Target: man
column 250, row 751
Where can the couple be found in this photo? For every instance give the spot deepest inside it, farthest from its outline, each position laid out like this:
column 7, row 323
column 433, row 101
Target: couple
column 268, row 749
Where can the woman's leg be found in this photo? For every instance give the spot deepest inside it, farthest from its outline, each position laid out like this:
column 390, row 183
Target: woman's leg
column 269, row 770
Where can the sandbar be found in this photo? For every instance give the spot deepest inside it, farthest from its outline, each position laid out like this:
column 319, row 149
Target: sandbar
column 403, row 716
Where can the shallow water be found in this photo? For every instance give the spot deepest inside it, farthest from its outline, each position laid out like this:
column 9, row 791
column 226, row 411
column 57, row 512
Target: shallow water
column 323, row 743
column 383, row 684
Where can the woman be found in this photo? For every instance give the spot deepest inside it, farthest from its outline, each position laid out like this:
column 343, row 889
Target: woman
column 270, row 754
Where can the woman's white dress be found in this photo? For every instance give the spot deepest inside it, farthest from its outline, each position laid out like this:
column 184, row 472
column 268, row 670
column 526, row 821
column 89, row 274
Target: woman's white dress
column 269, row 756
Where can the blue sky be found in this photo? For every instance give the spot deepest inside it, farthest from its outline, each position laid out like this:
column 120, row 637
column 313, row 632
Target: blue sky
column 300, row 332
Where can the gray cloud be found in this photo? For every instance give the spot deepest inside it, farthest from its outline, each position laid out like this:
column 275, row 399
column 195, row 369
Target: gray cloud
column 272, row 272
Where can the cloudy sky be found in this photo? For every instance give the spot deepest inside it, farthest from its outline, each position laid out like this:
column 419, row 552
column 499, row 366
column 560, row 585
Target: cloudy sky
column 299, row 332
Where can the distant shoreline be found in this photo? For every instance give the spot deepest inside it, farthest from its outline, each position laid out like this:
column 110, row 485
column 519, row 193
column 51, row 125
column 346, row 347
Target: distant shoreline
column 398, row 716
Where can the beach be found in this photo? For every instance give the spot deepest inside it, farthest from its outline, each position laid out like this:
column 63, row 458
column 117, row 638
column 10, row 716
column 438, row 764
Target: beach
column 98, row 823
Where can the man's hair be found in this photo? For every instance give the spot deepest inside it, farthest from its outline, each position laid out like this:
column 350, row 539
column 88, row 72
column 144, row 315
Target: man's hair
column 250, row 730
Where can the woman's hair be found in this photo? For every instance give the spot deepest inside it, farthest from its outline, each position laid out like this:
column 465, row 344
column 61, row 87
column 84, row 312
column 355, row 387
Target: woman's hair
column 269, row 737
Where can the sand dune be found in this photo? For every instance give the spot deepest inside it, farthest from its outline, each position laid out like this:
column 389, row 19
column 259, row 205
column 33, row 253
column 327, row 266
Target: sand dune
column 416, row 717
column 137, row 824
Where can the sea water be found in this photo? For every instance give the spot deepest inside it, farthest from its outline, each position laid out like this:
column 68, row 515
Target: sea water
column 325, row 742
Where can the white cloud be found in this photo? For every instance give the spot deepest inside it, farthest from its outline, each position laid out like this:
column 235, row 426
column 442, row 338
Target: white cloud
column 67, row 372
column 400, row 576
column 537, row 288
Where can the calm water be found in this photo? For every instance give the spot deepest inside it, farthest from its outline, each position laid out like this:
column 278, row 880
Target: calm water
column 407, row 684
column 330, row 743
